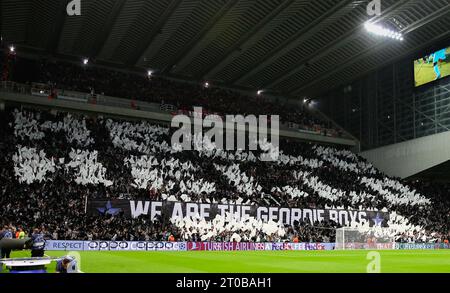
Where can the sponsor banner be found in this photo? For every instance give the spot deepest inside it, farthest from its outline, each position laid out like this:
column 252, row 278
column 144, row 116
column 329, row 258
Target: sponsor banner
column 260, row 246
column 302, row 246
column 103, row 245
column 225, row 246
column 277, row 246
column 99, row 245
column 376, row 246
column 138, row 245
column 91, row 245
column 70, row 245
column 236, row 246
column 408, row 246
column 64, row 245
column 135, row 245
column 165, row 246
column 119, row 245
column 208, row 211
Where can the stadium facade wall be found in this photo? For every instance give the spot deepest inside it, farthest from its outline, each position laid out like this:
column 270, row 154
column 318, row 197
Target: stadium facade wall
column 411, row 157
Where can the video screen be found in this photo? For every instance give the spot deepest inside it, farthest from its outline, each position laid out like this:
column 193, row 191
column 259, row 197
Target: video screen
column 432, row 67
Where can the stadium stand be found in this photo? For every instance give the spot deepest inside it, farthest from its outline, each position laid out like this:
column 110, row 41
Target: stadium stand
column 54, row 161
column 61, row 77
column 231, row 139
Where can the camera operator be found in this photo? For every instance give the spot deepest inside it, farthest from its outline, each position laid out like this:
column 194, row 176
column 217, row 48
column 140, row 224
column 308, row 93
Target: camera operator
column 37, row 244
column 7, row 234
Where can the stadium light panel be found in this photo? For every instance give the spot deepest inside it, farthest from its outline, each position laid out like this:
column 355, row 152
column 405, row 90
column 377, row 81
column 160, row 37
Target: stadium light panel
column 259, row 92
column 381, row 31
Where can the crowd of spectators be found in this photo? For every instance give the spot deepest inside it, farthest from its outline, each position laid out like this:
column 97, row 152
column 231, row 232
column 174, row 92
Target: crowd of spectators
column 66, row 76
column 54, row 161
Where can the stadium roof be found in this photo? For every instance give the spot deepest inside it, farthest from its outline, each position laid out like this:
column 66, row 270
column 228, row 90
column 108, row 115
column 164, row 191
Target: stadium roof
column 292, row 47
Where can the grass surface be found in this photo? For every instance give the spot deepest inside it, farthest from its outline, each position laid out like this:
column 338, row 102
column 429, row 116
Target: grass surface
column 392, row 261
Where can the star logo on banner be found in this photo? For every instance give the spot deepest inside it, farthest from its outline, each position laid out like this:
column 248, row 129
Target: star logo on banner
column 109, row 210
column 378, row 220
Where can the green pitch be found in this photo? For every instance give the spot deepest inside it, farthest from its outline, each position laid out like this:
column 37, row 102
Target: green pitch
column 417, row 261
